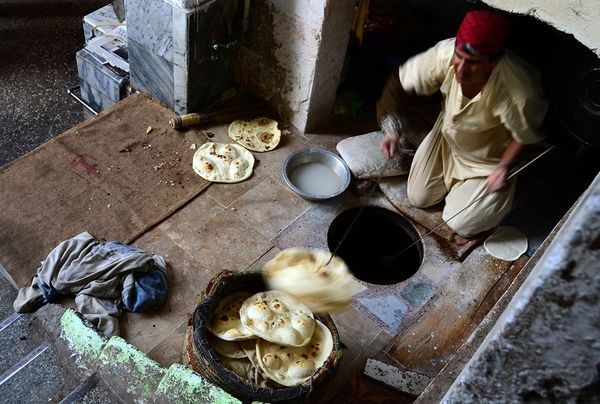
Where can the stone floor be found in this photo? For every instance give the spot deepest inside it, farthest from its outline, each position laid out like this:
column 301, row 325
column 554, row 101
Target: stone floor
column 241, row 226
column 238, row 227
column 229, row 226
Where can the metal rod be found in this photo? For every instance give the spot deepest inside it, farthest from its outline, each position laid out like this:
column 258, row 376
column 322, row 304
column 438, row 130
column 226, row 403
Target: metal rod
column 375, row 186
column 26, row 360
column 71, row 90
column 393, row 257
column 80, row 390
column 9, row 320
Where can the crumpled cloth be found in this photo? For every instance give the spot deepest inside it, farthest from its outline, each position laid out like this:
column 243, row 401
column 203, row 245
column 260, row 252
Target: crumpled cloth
column 105, row 277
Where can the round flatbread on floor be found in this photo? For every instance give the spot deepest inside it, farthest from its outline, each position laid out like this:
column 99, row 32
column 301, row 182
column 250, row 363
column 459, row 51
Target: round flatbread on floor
column 291, row 366
column 308, row 274
column 225, row 322
column 278, row 317
column 260, row 134
column 506, row 243
column 220, row 162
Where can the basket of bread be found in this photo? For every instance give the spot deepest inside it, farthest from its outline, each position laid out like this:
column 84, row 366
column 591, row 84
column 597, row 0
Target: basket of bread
column 265, row 344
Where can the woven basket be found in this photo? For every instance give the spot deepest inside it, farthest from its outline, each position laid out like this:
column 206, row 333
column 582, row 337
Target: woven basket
column 205, row 361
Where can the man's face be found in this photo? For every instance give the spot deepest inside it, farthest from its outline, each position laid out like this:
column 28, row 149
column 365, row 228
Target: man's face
column 472, row 71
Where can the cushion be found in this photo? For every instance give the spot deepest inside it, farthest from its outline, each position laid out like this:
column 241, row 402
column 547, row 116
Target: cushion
column 365, row 160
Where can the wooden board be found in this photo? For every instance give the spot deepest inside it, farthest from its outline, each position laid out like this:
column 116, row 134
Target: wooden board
column 458, row 306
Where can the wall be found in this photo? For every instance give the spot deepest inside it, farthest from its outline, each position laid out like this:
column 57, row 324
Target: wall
column 546, row 345
column 577, row 17
column 292, row 59
column 294, row 50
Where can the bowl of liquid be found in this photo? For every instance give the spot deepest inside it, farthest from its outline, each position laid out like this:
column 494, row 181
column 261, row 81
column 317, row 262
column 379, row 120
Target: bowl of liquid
column 316, row 174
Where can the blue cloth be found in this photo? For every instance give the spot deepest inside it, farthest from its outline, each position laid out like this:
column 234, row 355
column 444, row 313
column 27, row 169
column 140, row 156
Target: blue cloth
column 49, row 294
column 144, row 290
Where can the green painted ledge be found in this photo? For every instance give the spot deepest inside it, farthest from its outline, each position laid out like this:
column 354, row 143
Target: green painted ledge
column 81, row 338
column 182, row 385
column 131, row 372
column 121, row 364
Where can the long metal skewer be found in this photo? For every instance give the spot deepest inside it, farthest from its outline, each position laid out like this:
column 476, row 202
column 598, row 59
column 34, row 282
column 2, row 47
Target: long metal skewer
column 391, row 259
column 334, row 252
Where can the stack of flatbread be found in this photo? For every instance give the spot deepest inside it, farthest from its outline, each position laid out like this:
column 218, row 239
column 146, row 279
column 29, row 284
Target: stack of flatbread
column 314, row 277
column 269, row 338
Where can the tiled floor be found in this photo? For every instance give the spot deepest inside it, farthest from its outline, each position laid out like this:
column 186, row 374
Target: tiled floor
column 241, row 226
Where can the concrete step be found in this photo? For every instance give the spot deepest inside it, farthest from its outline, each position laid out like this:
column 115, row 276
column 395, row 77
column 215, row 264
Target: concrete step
column 32, row 368
column 55, row 355
column 35, row 356
column 39, row 377
column 92, row 391
column 16, row 340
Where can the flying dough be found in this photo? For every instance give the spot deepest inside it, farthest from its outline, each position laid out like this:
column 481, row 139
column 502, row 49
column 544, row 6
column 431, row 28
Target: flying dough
column 506, row 243
column 306, row 274
column 278, row 317
column 220, row 162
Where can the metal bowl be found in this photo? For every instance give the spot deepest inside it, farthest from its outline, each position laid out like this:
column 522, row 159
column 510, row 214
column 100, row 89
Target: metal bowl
column 337, row 178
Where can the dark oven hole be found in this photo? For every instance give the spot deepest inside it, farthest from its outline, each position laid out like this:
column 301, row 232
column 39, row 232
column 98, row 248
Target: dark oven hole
column 378, row 232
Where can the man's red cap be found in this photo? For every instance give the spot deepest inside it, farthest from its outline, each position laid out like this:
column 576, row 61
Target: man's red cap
column 483, row 32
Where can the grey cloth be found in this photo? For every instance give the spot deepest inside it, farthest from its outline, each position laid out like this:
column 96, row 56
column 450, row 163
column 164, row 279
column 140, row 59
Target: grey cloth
column 92, row 270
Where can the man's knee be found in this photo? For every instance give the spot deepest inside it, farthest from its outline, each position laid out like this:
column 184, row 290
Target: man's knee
column 465, row 229
column 419, row 198
column 467, row 224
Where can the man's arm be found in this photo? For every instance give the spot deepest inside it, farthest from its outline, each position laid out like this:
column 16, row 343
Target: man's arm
column 497, row 179
column 421, row 75
column 391, row 102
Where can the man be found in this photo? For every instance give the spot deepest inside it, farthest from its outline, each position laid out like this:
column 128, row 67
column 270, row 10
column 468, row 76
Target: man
column 492, row 107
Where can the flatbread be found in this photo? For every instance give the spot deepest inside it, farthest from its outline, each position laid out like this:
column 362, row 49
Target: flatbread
column 259, row 377
column 290, row 366
column 260, row 134
column 305, row 274
column 225, row 322
column 220, row 162
column 278, row 317
column 241, row 367
column 228, row 349
column 506, row 243
column 246, row 369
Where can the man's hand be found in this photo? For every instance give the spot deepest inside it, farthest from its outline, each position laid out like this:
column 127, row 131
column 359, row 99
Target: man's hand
column 391, row 127
column 389, row 145
column 496, row 181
